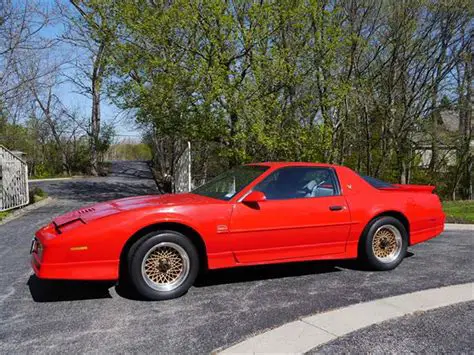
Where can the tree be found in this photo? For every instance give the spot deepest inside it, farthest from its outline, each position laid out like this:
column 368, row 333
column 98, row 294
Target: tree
column 21, row 23
column 33, row 64
column 87, row 29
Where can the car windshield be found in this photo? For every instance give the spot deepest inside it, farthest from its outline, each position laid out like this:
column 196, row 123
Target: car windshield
column 378, row 184
column 230, row 183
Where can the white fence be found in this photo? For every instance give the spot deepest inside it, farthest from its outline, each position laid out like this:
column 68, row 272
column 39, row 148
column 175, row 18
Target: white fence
column 13, row 181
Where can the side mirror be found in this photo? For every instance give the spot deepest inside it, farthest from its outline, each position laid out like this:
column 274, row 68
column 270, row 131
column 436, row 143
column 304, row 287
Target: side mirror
column 254, row 197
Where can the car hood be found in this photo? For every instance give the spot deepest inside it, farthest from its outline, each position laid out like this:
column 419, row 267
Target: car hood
column 104, row 209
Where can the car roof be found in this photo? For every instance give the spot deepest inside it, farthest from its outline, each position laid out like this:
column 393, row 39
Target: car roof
column 280, row 164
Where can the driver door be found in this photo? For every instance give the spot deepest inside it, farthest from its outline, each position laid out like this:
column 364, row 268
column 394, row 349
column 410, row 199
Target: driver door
column 294, row 221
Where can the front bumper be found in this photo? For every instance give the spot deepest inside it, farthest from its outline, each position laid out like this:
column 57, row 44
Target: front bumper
column 94, row 270
column 83, row 270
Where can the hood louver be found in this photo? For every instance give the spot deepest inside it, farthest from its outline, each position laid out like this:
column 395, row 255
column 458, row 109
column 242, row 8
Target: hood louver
column 86, row 210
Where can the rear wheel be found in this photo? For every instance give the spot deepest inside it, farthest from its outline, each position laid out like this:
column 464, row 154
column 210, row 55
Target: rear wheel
column 384, row 243
column 163, row 265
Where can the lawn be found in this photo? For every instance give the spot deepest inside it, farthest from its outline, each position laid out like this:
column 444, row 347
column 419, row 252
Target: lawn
column 4, row 214
column 459, row 211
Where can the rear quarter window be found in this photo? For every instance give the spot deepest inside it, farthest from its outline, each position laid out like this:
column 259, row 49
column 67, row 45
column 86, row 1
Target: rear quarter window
column 378, row 184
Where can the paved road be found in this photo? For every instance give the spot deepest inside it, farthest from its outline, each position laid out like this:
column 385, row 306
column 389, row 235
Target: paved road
column 125, row 179
column 222, row 308
column 445, row 330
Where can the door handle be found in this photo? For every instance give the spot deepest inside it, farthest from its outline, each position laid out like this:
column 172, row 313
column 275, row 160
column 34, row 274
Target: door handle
column 336, row 208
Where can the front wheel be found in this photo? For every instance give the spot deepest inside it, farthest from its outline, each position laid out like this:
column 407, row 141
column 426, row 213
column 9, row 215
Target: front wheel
column 164, row 265
column 384, row 244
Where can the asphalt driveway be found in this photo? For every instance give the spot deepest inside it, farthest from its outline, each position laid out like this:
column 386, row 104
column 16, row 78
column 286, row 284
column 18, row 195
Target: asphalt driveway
column 222, row 308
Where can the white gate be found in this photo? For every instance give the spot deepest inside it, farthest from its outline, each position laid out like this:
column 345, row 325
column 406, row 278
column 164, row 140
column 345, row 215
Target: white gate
column 182, row 176
column 13, row 180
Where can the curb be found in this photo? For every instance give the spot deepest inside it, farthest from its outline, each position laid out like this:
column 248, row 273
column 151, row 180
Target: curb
column 58, row 179
column 458, row 227
column 310, row 332
column 21, row 211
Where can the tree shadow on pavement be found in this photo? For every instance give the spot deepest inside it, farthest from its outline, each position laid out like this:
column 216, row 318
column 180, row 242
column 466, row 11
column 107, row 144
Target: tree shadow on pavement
column 60, row 290
column 87, row 191
column 133, row 173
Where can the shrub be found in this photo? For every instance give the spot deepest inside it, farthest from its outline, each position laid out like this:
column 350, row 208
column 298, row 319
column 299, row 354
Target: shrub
column 37, row 194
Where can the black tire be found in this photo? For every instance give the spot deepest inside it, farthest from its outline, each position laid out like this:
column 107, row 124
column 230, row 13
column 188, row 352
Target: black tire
column 380, row 262
column 153, row 242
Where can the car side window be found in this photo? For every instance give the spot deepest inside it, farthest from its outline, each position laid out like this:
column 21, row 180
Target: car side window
column 299, row 182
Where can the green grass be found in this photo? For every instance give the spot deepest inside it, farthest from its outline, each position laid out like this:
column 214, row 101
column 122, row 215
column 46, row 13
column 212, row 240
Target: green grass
column 4, row 214
column 459, row 211
column 37, row 194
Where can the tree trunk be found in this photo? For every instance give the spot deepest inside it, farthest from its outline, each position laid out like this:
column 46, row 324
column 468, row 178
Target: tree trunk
column 95, row 129
column 436, row 115
column 234, row 159
column 368, row 143
column 96, row 83
column 465, row 115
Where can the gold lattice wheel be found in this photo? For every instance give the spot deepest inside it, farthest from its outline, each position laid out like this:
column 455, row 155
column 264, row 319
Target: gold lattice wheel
column 387, row 243
column 165, row 266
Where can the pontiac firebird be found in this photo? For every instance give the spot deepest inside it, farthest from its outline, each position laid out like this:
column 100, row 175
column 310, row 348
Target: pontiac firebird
column 254, row 214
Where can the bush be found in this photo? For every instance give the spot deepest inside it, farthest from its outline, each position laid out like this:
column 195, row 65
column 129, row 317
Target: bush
column 37, row 194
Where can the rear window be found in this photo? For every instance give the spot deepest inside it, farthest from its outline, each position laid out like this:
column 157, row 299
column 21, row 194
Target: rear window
column 378, row 184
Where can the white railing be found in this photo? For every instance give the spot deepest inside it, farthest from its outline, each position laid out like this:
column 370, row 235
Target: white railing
column 13, row 181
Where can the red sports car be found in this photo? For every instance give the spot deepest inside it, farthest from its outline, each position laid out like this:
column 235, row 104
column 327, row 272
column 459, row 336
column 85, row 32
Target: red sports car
column 254, row 214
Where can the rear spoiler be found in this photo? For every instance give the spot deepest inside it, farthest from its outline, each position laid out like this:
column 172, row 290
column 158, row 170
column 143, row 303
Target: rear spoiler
column 415, row 188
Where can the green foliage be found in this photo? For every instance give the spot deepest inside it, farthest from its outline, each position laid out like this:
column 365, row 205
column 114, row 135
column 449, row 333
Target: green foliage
column 107, row 135
column 341, row 82
column 4, row 214
column 15, row 136
column 37, row 194
column 228, row 74
column 41, row 171
column 44, row 157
